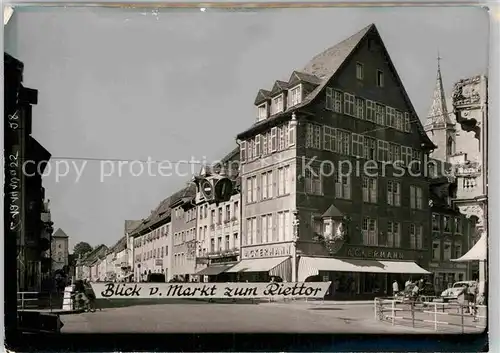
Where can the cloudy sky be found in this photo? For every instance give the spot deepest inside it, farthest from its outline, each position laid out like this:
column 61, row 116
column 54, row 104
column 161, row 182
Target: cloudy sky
column 180, row 84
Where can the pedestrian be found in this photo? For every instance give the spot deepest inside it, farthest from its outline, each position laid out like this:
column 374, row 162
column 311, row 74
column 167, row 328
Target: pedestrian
column 408, row 282
column 353, row 287
column 395, row 288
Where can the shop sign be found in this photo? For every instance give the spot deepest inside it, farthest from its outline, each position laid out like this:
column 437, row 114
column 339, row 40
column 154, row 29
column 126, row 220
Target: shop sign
column 375, row 254
column 447, row 265
column 268, row 251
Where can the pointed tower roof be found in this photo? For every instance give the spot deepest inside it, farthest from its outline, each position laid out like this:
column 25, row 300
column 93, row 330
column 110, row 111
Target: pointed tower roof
column 59, row 234
column 438, row 113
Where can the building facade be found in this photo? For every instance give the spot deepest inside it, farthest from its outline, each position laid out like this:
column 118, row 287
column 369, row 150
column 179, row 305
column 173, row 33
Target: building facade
column 60, row 250
column 302, row 205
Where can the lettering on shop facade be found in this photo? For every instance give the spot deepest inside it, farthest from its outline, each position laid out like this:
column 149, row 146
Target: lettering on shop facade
column 375, row 254
column 267, row 251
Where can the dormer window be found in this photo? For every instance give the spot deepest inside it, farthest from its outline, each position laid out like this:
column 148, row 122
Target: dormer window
column 277, row 105
column 262, row 112
column 295, row 96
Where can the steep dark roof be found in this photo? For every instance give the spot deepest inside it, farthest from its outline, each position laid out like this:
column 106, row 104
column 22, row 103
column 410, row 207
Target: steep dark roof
column 325, row 66
column 130, row 225
column 92, row 256
column 59, row 233
column 279, row 86
column 262, row 96
column 333, row 212
column 298, row 76
column 119, row 246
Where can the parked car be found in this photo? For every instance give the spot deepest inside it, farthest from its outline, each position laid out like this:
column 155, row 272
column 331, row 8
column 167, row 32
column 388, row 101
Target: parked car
column 457, row 288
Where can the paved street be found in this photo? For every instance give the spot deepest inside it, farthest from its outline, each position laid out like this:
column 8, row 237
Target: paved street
column 188, row 317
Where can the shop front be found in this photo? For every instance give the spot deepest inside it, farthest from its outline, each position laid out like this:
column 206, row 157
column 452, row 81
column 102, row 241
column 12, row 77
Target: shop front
column 216, row 270
column 263, row 263
column 362, row 272
column 447, row 273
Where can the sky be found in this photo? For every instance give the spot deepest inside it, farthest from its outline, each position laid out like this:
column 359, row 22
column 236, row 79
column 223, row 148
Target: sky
column 173, row 85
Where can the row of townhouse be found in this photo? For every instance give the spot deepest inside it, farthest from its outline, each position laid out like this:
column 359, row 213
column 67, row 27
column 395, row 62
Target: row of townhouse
column 298, row 212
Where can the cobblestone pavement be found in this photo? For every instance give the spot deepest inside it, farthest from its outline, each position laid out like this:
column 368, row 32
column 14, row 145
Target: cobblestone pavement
column 202, row 317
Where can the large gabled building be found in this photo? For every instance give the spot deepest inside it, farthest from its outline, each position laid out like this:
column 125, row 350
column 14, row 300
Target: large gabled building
column 305, row 216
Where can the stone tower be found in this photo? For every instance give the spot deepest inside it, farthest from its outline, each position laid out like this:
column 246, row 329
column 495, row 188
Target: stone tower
column 439, row 125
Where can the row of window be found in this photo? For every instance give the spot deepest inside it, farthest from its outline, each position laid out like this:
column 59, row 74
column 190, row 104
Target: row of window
column 313, row 184
column 449, row 249
column 294, row 97
column 392, row 238
column 155, row 234
column 225, row 214
column 218, row 244
column 277, row 139
column 153, row 254
column 357, row 107
column 184, row 236
column 446, row 225
column 344, row 142
column 268, row 228
column 267, row 185
column 188, row 215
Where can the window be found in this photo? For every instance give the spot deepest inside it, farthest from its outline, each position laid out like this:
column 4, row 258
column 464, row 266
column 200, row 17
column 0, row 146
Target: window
column 262, row 111
column 277, row 104
column 380, row 114
column 349, row 104
column 287, row 235
column 371, row 111
column 383, row 150
column 329, row 138
column 286, row 135
column 226, row 245
column 251, row 189
column 447, row 250
column 295, row 96
column 417, row 159
column 267, row 185
column 283, row 180
column 436, row 250
column 357, row 145
column 333, row 100
column 281, row 138
column 407, row 122
column 263, row 227
column 342, row 185
column 406, row 155
column 446, row 224
column 360, row 108
column 395, row 153
column 359, row 71
column 435, row 222
column 250, row 149
column 458, row 225
column 369, row 230
column 369, row 190
column 380, row 78
column 393, row 235
column 313, row 181
column 393, row 193
column 281, row 226
column 212, row 245
column 254, row 189
column 399, row 121
column 291, row 135
column 370, row 150
column 416, row 241
column 313, row 136
column 273, row 139
column 457, row 250
column 343, row 142
column 390, row 116
column 415, row 197
column 235, row 240
column 257, row 147
column 228, row 213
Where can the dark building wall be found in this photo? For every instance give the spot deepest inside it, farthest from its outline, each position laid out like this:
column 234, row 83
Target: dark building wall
column 391, row 94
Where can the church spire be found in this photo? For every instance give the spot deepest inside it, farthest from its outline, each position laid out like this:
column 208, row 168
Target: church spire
column 438, row 113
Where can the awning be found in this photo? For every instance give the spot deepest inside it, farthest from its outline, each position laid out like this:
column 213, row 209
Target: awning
column 213, row 270
column 310, row 266
column 478, row 252
column 258, row 265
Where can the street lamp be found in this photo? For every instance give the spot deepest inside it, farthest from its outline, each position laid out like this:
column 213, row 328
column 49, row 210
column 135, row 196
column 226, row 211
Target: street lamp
column 295, row 238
